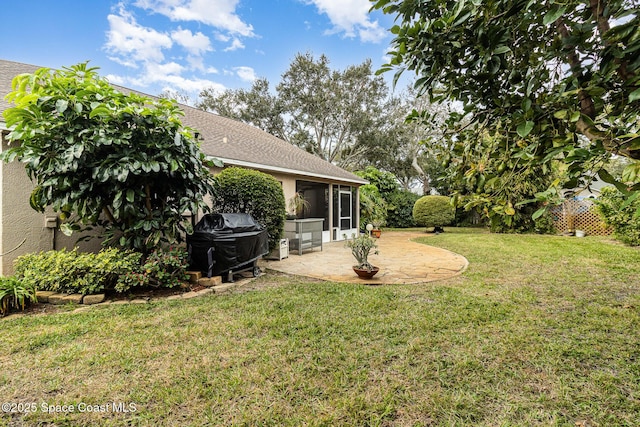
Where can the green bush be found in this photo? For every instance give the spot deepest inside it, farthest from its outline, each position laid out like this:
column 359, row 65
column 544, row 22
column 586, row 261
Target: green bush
column 626, row 225
column 373, row 208
column 77, row 272
column 165, row 268
column 400, row 209
column 253, row 192
column 110, row 269
column 433, row 211
column 15, row 294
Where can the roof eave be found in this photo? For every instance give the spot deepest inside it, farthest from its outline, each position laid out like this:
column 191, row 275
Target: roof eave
column 290, row 171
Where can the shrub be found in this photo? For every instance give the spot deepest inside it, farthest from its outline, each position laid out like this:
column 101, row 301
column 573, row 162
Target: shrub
column 110, row 269
column 253, row 192
column 400, row 209
column 166, row 268
column 77, row 272
column 626, row 225
column 15, row 294
column 433, row 211
column 373, row 208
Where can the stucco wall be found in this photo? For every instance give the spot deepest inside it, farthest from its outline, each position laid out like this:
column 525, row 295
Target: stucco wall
column 23, row 229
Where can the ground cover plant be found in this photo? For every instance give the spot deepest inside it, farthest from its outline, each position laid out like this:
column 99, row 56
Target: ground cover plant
column 540, row 330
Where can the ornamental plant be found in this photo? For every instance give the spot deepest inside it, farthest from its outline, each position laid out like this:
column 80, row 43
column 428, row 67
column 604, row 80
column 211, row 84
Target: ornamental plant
column 15, row 294
column 119, row 164
column 620, row 213
column 361, row 247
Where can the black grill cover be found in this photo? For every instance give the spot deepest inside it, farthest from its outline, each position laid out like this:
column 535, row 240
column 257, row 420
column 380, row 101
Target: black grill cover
column 226, row 241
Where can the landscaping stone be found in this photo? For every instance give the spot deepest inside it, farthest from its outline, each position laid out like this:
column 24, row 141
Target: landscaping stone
column 93, row 299
column 221, row 289
column 139, row 301
column 194, row 276
column 72, row 298
column 43, row 296
column 210, row 281
column 189, row 295
column 56, row 299
column 172, row 297
column 205, row 291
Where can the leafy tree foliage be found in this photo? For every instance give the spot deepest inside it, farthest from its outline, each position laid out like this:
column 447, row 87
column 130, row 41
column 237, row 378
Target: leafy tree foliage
column 619, row 214
column 315, row 107
column 384, row 182
column 373, row 207
column 400, row 210
column 408, row 146
column 549, row 81
column 330, row 107
column 256, row 106
column 103, row 158
column 253, row 192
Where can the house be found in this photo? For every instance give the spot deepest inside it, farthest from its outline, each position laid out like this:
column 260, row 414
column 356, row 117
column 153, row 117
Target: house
column 332, row 192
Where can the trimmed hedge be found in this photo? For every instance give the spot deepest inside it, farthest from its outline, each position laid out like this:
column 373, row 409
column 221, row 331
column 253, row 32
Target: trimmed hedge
column 253, row 192
column 433, row 211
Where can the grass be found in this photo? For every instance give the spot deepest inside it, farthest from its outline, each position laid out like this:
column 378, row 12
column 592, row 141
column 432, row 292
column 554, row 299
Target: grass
column 540, row 330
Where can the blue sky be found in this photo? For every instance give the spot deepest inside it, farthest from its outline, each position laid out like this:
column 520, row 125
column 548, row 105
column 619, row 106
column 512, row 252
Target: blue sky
column 189, row 45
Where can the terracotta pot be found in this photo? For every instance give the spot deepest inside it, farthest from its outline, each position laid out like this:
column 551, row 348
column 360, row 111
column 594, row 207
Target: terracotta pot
column 364, row 273
column 376, row 233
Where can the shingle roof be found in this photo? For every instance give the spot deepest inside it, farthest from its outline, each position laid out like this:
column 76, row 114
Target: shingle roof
column 234, row 142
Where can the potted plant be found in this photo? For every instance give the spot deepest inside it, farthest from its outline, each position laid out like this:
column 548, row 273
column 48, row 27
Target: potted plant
column 360, row 247
column 297, row 206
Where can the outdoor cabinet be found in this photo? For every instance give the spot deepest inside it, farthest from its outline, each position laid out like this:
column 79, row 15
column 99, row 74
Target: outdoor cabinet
column 304, row 234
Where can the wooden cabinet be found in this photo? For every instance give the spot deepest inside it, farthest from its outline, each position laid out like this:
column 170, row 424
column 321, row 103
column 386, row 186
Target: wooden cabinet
column 304, row 234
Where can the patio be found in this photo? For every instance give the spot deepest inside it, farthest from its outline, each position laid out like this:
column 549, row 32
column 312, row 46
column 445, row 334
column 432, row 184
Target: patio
column 400, row 259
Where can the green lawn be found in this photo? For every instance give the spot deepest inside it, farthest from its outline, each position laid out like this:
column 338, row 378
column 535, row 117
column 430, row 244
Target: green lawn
column 540, row 330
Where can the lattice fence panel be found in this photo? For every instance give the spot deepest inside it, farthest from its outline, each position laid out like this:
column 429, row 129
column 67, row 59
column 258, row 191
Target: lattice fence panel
column 579, row 215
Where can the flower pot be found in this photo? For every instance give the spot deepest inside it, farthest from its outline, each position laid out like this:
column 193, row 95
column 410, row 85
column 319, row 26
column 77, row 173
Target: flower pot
column 580, row 233
column 376, row 233
column 363, row 273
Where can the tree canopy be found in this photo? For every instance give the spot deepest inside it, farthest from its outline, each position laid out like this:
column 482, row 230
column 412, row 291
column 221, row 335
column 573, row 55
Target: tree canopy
column 104, row 158
column 315, row 107
column 545, row 81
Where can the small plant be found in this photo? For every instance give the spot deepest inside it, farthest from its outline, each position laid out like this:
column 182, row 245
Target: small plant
column 15, row 294
column 166, row 268
column 360, row 247
column 298, row 204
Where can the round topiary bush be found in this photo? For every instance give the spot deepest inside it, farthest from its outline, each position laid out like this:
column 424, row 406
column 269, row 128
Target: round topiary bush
column 433, row 211
column 253, row 192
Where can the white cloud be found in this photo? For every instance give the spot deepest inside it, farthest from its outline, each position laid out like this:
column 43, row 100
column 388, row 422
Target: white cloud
column 246, row 73
column 128, row 42
column 218, row 13
column 235, row 45
column 351, row 17
column 196, row 44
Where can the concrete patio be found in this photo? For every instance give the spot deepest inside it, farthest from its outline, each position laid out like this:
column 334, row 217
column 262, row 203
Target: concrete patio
column 400, row 259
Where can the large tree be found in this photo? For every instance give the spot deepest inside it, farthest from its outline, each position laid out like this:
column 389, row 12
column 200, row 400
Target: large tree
column 330, row 108
column 256, row 106
column 545, row 81
column 104, row 158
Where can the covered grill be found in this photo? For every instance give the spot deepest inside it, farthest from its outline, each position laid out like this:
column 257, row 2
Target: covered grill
column 227, row 243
